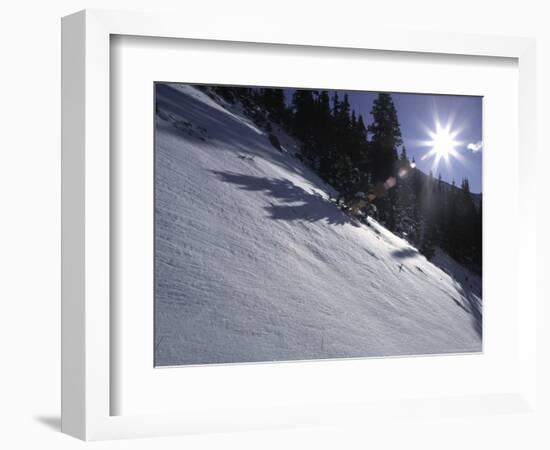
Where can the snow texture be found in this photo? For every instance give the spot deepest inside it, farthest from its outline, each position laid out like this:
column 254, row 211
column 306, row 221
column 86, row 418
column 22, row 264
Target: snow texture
column 255, row 262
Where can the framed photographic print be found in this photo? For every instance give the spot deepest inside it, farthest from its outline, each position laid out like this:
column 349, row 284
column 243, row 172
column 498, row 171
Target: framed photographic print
column 260, row 247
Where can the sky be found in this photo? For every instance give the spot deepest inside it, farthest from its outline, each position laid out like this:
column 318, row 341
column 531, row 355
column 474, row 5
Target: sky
column 419, row 114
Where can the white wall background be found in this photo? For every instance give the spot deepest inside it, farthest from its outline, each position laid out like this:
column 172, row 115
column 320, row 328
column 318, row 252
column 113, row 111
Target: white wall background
column 30, row 196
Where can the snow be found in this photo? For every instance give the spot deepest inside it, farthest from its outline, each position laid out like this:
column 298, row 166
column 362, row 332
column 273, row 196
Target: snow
column 254, row 261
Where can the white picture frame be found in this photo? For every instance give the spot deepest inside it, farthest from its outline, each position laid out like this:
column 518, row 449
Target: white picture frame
column 87, row 354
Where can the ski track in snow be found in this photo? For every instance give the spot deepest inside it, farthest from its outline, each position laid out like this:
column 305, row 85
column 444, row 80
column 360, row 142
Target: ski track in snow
column 253, row 262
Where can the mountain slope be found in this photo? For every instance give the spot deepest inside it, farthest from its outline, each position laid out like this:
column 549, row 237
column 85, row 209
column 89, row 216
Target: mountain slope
column 447, row 187
column 254, row 262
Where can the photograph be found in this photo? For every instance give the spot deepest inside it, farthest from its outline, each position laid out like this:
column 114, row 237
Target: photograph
column 297, row 224
column 275, row 225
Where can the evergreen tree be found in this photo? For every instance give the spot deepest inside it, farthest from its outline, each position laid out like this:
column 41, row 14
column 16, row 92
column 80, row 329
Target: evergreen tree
column 406, row 204
column 303, row 127
column 324, row 132
column 385, row 139
column 274, row 101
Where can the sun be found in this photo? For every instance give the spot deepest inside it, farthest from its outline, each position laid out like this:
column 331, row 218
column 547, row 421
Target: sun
column 442, row 144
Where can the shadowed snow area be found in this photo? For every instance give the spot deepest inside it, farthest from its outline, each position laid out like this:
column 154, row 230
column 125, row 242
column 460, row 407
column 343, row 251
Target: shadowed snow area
column 254, row 261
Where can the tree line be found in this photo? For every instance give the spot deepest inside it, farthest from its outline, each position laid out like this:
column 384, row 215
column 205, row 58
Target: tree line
column 369, row 167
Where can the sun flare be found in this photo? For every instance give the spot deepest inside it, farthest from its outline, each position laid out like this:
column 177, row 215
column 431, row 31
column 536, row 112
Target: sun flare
column 442, row 144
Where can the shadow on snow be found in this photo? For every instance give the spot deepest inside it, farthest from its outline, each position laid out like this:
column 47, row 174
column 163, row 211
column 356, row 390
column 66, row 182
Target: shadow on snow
column 405, row 253
column 469, row 290
column 472, row 305
column 292, row 202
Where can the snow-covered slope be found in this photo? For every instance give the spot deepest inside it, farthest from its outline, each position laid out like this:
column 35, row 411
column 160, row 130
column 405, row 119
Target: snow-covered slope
column 254, row 262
